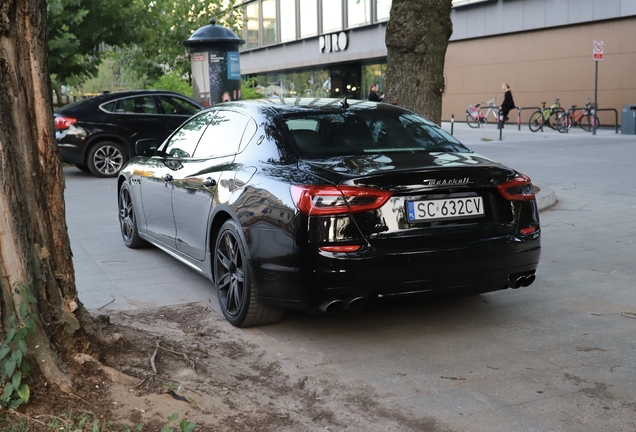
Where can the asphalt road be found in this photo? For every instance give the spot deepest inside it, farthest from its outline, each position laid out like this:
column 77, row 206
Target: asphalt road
column 555, row 356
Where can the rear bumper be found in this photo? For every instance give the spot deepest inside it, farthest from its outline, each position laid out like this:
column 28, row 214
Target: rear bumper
column 479, row 266
column 71, row 155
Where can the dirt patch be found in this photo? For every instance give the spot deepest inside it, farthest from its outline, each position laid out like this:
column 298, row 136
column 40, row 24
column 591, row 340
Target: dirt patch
column 188, row 360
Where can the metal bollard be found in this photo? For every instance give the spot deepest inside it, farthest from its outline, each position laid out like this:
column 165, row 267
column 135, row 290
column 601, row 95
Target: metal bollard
column 452, row 123
column 500, row 124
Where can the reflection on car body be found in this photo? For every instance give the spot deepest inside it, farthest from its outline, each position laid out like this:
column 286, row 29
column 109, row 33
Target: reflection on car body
column 312, row 204
column 98, row 134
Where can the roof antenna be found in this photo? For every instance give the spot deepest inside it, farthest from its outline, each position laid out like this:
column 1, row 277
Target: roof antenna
column 343, row 104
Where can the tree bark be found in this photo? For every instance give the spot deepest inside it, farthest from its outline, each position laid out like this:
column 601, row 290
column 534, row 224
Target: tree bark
column 417, row 36
column 34, row 244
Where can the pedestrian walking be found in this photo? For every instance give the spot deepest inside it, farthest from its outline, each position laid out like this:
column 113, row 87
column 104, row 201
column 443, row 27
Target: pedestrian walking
column 507, row 104
column 373, row 93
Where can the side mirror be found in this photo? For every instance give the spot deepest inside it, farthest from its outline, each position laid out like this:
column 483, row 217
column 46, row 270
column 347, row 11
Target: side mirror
column 146, row 147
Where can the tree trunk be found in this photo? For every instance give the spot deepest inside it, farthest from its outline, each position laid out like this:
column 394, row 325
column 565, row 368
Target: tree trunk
column 417, row 36
column 34, row 244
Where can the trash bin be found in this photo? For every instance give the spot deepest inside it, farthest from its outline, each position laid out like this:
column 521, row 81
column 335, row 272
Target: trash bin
column 628, row 120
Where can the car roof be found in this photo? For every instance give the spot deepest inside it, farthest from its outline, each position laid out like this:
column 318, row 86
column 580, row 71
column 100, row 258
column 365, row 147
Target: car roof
column 282, row 106
column 109, row 96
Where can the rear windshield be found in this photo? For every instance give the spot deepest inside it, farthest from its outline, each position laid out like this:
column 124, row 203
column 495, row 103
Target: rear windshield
column 364, row 132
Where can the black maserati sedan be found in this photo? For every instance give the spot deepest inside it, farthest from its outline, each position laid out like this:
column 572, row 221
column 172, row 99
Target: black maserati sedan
column 327, row 204
column 98, row 134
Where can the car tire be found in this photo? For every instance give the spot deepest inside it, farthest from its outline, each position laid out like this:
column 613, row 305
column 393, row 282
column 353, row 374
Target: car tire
column 128, row 219
column 233, row 280
column 83, row 168
column 106, row 159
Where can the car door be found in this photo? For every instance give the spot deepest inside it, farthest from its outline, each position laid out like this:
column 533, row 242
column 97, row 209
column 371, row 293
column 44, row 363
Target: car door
column 137, row 118
column 195, row 186
column 176, row 110
column 157, row 184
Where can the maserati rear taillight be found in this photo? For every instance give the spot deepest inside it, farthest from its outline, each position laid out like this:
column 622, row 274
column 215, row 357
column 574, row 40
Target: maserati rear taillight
column 518, row 189
column 529, row 230
column 325, row 200
column 63, row 123
column 341, row 249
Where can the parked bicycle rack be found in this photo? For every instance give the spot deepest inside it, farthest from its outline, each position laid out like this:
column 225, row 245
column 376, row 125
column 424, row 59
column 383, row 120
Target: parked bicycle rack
column 595, row 111
column 615, row 115
column 519, row 116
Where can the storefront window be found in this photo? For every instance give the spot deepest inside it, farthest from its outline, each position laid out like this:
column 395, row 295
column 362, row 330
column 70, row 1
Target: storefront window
column 383, row 9
column 373, row 74
column 308, row 18
column 269, row 22
column 358, row 12
column 287, row 20
column 306, row 83
column 331, row 15
column 251, row 16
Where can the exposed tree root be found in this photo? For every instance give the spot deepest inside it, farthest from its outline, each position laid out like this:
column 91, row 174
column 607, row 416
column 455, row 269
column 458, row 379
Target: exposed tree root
column 112, row 374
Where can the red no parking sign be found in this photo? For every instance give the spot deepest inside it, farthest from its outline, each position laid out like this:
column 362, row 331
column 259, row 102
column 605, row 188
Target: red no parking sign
column 597, row 50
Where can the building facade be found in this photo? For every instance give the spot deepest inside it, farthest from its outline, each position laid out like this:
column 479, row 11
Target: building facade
column 542, row 48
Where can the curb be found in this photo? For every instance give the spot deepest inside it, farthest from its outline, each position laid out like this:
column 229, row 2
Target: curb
column 545, row 197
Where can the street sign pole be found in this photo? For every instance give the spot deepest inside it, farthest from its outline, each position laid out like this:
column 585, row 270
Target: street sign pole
column 598, row 52
column 595, row 99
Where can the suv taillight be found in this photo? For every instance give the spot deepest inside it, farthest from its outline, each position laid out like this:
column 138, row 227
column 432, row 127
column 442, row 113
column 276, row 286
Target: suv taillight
column 324, row 200
column 63, row 123
column 518, row 189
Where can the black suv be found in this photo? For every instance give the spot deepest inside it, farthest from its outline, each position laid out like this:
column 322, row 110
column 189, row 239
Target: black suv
column 98, row 134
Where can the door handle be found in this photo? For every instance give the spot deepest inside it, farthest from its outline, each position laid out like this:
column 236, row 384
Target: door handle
column 209, row 182
column 167, row 178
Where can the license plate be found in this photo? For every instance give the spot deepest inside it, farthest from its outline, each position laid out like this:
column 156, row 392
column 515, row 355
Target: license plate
column 451, row 208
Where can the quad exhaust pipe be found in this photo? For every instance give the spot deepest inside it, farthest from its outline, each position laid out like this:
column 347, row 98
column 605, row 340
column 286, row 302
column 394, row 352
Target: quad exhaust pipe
column 335, row 305
column 331, row 306
column 523, row 280
column 355, row 303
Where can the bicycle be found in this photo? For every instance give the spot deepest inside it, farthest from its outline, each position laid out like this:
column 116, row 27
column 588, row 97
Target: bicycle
column 474, row 116
column 546, row 116
column 582, row 118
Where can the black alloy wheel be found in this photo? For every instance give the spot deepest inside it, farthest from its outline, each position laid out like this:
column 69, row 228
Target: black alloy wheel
column 233, row 279
column 127, row 219
column 106, row 159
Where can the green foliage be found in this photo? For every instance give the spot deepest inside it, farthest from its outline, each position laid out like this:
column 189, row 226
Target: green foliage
column 166, row 24
column 174, row 82
column 84, row 422
column 248, row 90
column 112, row 75
column 146, row 36
column 184, row 426
column 6, row 425
column 79, row 31
column 13, row 350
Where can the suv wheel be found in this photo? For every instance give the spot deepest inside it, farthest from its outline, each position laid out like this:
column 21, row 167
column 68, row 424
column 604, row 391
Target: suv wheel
column 106, row 159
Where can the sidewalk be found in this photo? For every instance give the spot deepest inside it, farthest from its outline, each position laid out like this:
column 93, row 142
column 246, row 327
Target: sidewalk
column 512, row 134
